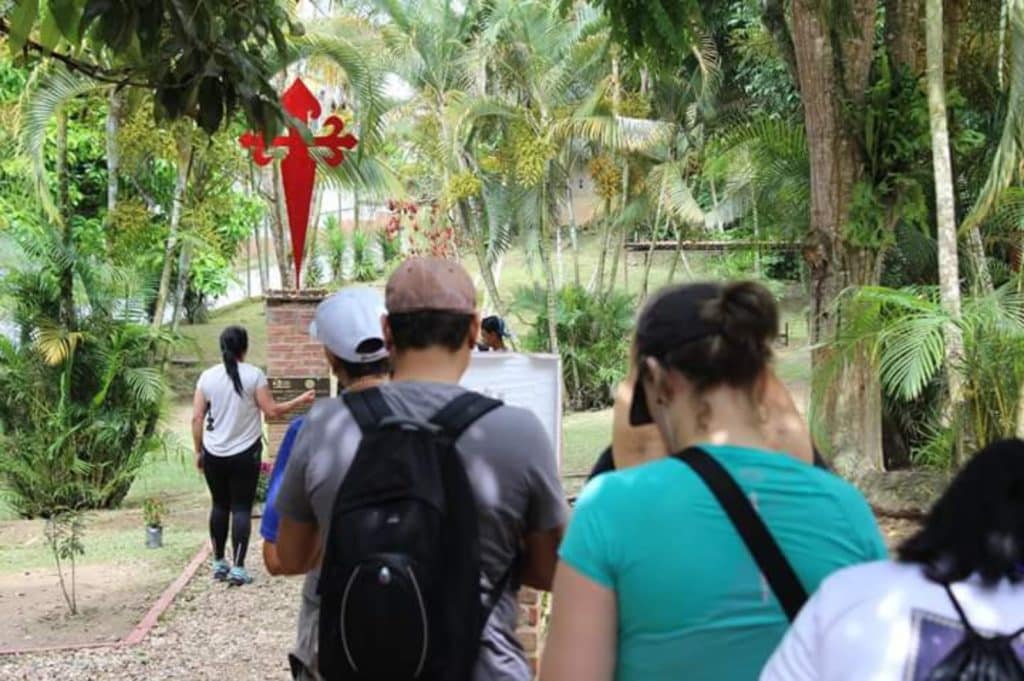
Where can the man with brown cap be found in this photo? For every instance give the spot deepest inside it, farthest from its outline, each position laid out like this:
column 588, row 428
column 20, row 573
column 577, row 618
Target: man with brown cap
column 431, row 328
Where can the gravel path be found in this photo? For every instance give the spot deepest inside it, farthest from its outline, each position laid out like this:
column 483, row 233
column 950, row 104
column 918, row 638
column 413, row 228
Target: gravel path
column 211, row 631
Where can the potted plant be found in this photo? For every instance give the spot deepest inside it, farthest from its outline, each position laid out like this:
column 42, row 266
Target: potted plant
column 153, row 512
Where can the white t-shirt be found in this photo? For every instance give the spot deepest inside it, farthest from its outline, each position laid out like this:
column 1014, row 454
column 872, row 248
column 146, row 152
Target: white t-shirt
column 885, row 621
column 233, row 422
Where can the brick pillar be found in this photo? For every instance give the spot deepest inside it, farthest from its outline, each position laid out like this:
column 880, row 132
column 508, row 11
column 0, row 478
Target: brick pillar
column 291, row 353
column 529, row 630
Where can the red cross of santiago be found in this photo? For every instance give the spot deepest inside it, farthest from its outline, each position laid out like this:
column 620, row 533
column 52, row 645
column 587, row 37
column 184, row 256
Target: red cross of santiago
column 298, row 169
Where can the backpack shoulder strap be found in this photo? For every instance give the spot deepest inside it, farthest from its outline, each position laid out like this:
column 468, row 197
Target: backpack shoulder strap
column 759, row 540
column 967, row 623
column 368, row 407
column 464, row 411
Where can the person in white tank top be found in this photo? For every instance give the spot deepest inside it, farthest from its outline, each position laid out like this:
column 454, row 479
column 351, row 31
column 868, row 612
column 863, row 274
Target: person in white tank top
column 227, row 433
column 895, row 620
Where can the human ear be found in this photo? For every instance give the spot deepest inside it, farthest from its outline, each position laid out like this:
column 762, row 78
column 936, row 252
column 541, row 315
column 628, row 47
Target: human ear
column 474, row 331
column 385, row 327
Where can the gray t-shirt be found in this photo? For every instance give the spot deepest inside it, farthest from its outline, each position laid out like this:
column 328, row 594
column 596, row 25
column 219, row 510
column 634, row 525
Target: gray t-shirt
column 511, row 466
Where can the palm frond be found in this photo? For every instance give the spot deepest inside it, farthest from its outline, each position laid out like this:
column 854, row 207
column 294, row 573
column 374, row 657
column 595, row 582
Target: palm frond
column 617, row 133
column 1010, row 152
column 49, row 90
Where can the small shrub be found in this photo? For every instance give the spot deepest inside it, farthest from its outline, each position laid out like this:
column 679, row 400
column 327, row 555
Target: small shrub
column 366, row 264
column 64, row 530
column 593, row 339
column 337, row 244
column 153, row 511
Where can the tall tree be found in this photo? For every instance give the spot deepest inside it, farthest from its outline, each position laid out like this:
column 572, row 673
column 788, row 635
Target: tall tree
column 945, row 211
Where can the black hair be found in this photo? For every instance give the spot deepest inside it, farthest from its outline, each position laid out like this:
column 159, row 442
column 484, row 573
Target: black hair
column 354, row 370
column 491, row 324
column 234, row 342
column 430, row 328
column 977, row 525
column 742, row 321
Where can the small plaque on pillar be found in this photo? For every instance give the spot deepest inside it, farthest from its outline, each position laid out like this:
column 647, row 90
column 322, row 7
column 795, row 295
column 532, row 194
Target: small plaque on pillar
column 285, row 389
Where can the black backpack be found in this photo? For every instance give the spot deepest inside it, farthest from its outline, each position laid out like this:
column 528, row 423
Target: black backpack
column 400, row 582
column 978, row 657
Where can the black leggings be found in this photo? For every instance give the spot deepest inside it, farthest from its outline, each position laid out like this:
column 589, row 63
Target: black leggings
column 232, row 481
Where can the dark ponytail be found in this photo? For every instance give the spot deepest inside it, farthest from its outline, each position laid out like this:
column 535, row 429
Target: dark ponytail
column 234, row 342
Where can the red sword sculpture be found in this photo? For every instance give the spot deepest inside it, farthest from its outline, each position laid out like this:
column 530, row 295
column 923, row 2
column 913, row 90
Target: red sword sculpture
column 298, row 169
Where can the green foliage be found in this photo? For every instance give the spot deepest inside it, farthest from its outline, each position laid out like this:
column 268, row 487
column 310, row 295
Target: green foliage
column 366, row 264
column 203, row 60
column 63, row 531
column 337, row 245
column 78, row 407
column 593, row 339
column 153, row 511
column 904, row 332
column 660, row 30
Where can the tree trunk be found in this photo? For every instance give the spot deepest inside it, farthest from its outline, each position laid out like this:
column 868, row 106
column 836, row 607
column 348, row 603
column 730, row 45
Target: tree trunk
column 549, row 274
column 113, row 150
column 982, row 277
column 185, row 154
column 573, row 237
column 67, row 266
column 904, row 32
column 279, row 231
column 257, row 236
column 606, row 244
column 479, row 249
column 848, row 410
column 649, row 259
column 560, row 279
column 945, row 211
column 184, row 265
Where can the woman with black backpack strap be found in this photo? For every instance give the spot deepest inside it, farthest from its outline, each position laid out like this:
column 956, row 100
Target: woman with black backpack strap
column 690, row 566
column 951, row 607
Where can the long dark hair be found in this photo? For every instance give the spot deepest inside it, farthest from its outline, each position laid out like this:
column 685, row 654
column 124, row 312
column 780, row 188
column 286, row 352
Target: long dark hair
column 977, row 526
column 234, row 342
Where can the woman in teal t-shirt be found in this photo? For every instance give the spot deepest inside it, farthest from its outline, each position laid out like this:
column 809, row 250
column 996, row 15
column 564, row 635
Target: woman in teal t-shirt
column 654, row 582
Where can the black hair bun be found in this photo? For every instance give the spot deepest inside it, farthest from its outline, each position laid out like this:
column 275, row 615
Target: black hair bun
column 745, row 313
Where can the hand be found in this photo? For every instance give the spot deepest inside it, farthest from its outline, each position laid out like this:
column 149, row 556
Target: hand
column 199, row 461
column 307, row 398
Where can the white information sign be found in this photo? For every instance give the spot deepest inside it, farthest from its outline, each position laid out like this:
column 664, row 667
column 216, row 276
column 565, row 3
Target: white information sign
column 532, row 382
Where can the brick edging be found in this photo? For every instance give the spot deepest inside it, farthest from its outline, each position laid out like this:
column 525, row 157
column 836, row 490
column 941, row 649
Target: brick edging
column 148, row 621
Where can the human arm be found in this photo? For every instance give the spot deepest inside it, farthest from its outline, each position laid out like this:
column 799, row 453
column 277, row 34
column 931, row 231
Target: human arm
column 297, row 545
column 199, row 406
column 541, row 558
column 785, row 427
column 547, row 511
column 265, row 401
column 271, row 520
column 581, row 642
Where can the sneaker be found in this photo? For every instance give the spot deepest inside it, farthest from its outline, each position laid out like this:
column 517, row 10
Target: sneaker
column 221, row 569
column 239, row 576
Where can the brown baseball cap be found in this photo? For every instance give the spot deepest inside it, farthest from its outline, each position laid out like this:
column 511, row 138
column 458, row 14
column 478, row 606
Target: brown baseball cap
column 436, row 284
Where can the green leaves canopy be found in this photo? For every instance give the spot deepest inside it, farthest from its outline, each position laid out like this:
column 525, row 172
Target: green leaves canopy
column 201, row 59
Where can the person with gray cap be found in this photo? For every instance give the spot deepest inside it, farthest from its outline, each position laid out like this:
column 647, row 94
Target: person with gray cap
column 348, row 324
column 518, row 507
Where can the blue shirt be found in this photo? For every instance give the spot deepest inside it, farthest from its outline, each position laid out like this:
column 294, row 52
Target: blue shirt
column 270, row 521
column 692, row 603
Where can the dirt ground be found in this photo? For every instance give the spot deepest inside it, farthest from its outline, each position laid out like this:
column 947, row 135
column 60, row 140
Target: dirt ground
column 212, row 631
column 111, row 600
